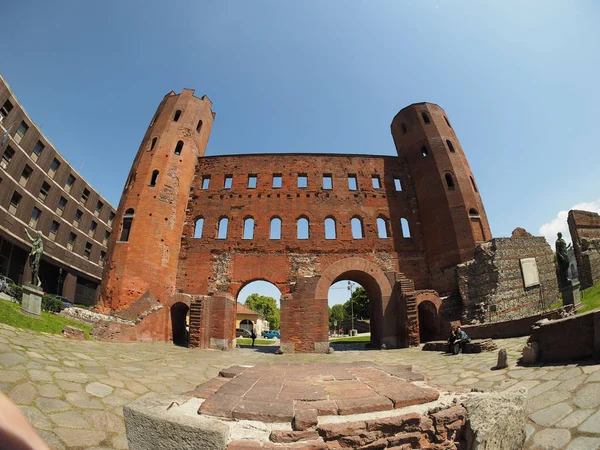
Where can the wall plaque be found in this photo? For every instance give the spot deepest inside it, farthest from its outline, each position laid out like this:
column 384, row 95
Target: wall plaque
column 531, row 276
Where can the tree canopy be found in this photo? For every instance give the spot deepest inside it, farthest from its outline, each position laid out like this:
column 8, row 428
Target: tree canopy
column 266, row 306
column 361, row 304
column 336, row 316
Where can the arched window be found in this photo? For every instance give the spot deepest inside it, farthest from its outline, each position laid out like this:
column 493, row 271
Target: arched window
column 199, row 126
column 424, row 151
column 154, row 178
column 177, row 115
column 474, row 185
column 152, row 144
column 473, row 213
column 425, row 117
column 382, row 228
column 330, row 228
column 405, row 228
column 275, row 232
column 449, row 180
column 222, row 232
column 198, row 227
column 404, row 130
column 357, row 228
column 249, row 228
column 127, row 221
column 450, row 146
column 130, row 180
column 446, row 119
column 302, row 226
column 179, row 147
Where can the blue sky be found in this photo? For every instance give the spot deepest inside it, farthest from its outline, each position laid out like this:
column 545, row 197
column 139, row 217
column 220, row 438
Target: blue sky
column 518, row 80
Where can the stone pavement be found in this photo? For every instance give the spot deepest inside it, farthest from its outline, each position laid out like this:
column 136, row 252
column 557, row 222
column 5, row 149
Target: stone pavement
column 73, row 391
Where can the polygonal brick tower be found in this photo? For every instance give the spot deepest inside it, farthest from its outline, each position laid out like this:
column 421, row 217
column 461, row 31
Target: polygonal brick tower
column 452, row 216
column 144, row 247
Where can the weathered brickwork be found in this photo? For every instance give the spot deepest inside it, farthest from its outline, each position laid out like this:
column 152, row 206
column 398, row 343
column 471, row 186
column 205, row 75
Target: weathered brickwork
column 585, row 234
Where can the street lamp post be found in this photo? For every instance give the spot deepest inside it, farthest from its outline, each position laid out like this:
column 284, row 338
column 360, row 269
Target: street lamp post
column 351, row 307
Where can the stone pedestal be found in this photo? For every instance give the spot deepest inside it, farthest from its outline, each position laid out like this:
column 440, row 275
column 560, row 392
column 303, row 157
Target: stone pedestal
column 32, row 300
column 571, row 294
column 353, row 332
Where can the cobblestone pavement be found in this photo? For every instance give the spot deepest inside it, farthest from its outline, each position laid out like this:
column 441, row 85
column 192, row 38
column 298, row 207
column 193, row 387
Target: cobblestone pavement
column 73, row 391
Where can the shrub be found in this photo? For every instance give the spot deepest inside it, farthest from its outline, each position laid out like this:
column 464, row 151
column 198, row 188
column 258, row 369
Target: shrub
column 51, row 304
column 15, row 292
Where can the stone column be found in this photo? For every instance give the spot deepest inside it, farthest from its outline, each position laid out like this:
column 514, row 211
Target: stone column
column 32, row 300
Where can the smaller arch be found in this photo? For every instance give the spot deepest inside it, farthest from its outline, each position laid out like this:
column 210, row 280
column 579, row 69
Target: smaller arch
column 154, row 178
column 127, row 222
column 330, row 231
column 198, row 226
column 179, row 327
column 179, row 148
column 223, row 225
column 382, row 227
column 425, row 117
column 302, row 228
column 473, row 183
column 177, row 115
column 404, row 130
column 449, row 180
column 450, row 146
column 424, row 151
column 428, row 321
column 473, row 212
column 248, row 228
column 152, row 144
column 405, row 228
column 130, row 180
column 275, row 228
column 447, row 122
column 247, row 324
column 199, row 126
column 357, row 228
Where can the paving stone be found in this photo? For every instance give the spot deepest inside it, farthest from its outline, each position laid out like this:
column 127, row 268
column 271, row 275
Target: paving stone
column 36, row 417
column 11, row 359
column 69, row 386
column 591, row 425
column 584, row 443
column 69, row 419
column 541, row 388
column 98, row 389
column 113, row 400
column 51, row 439
column 75, row 377
column 550, row 439
column 40, row 375
column 112, row 382
column 575, row 418
column 570, row 373
column 84, row 400
column 552, row 414
column 103, row 420
column 49, row 405
column 80, row 438
column 593, row 377
column 11, row 376
column 262, row 411
column 590, row 369
column 23, row 394
column 120, row 442
column 49, row 390
column 529, row 430
column 543, row 401
column 588, row 396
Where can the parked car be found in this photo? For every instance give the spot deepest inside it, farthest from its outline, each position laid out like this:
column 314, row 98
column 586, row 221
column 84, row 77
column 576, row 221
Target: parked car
column 240, row 332
column 6, row 280
column 66, row 303
column 272, row 334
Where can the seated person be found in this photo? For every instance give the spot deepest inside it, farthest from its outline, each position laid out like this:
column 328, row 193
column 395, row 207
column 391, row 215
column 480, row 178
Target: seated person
column 451, row 340
column 460, row 339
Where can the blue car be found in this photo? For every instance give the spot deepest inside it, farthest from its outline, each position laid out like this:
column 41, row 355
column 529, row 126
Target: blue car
column 272, row 334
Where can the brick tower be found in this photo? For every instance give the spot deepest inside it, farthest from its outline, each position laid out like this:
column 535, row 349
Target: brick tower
column 452, row 216
column 144, row 246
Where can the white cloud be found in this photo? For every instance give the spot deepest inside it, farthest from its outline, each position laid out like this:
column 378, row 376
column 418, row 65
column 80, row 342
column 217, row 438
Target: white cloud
column 559, row 223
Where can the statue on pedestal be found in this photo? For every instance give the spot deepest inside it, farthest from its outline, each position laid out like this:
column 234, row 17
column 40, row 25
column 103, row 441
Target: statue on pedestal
column 562, row 258
column 37, row 248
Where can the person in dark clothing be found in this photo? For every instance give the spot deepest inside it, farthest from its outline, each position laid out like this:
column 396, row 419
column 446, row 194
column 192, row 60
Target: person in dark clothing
column 451, row 340
column 253, row 336
column 460, row 340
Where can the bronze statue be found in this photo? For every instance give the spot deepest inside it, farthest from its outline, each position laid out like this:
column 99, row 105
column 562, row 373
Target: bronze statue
column 37, row 248
column 562, row 258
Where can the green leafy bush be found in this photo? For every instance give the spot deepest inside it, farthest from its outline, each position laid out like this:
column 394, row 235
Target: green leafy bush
column 51, row 304
column 15, row 292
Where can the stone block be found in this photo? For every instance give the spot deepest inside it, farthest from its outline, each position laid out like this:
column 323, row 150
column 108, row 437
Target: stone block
column 73, row 333
column 31, row 304
column 287, row 436
column 530, row 353
column 305, row 419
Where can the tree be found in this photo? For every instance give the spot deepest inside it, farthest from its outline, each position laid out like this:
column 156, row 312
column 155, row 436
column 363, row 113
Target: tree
column 336, row 316
column 361, row 304
column 265, row 306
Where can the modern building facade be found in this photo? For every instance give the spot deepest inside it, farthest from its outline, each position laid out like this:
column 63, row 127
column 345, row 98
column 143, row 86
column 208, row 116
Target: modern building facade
column 40, row 191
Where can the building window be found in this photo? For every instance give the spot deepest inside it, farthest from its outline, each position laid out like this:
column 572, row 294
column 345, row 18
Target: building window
column 93, row 227
column 248, row 228
column 85, row 195
column 53, row 167
column 7, row 156
column 127, row 221
column 357, row 228
column 152, row 144
column 474, row 185
column 102, row 258
column 447, row 122
column 425, row 117
column 37, row 150
column 71, row 241
column 251, row 181
column 382, row 228
column 62, row 203
column 397, row 184
column 25, row 175
column 54, row 230
column 376, row 182
column 352, row 184
column 177, row 115
column 35, row 215
column 198, row 227
column 77, row 218
column 404, row 130
column 450, row 146
column 303, row 228
column 99, row 206
column 106, row 238
column 15, row 200
column 20, row 132
column 424, row 151
column 199, row 126
column 277, row 181
column 449, row 180
column 275, row 231
column 111, row 217
column 87, row 252
column 205, row 182
column 473, row 212
column 330, row 231
column 130, row 180
column 5, row 110
column 154, row 178
column 405, row 228
column 179, row 147
column 222, row 231
column 228, row 182
column 302, row 181
column 44, row 190
column 327, row 182
column 70, row 182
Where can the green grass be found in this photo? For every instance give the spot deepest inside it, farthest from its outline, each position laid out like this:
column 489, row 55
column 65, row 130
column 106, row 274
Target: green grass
column 350, row 340
column 49, row 323
column 242, row 341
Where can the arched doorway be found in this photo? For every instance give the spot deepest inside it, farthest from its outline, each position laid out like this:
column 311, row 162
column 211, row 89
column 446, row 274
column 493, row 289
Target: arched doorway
column 247, row 325
column 349, row 308
column 428, row 321
column 179, row 323
column 258, row 307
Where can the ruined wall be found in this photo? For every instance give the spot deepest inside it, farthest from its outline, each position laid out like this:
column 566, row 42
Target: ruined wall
column 585, row 234
column 492, row 286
